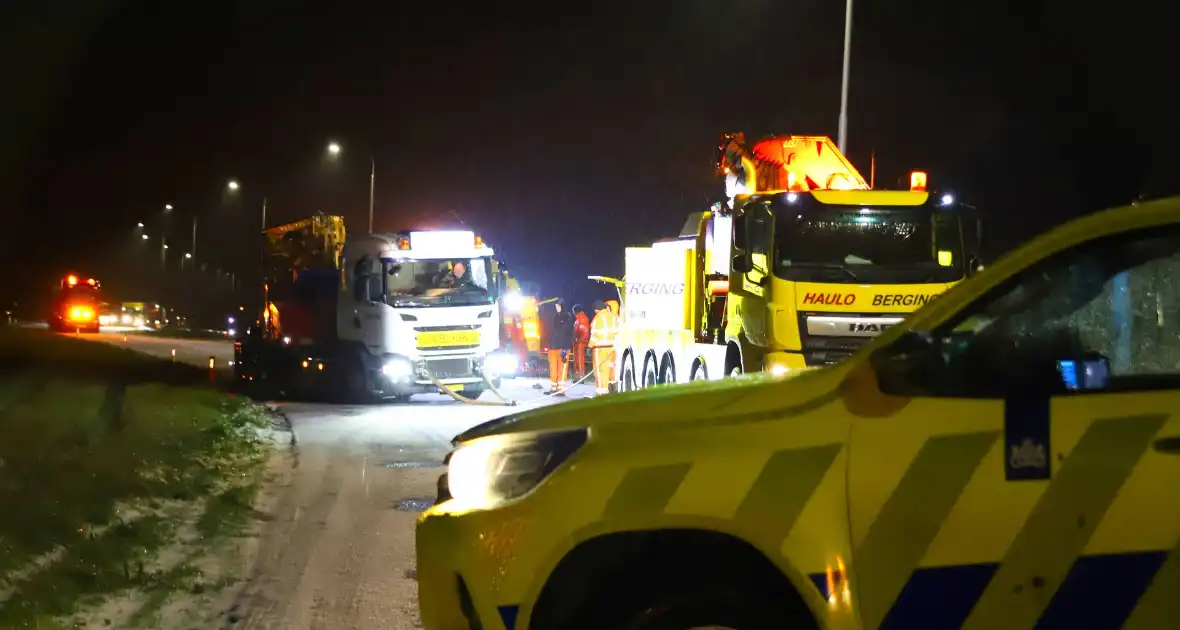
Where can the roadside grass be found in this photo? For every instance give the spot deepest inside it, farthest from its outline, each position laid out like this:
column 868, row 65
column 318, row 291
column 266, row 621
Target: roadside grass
column 106, row 458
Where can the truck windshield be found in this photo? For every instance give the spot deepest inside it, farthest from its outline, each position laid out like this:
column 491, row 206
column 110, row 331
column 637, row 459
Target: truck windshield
column 448, row 282
column 867, row 245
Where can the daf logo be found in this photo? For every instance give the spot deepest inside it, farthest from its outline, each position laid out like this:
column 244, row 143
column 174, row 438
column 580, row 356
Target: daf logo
column 863, row 327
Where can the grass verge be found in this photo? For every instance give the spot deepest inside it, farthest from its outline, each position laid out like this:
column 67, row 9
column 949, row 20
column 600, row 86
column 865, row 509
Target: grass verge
column 107, row 458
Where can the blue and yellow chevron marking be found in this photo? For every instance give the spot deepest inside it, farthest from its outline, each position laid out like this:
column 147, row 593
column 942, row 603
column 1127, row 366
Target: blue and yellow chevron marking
column 1044, row 579
column 1100, row 593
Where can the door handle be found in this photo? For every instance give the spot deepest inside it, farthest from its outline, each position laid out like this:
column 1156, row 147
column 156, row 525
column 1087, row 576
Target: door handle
column 356, row 322
column 1167, row 445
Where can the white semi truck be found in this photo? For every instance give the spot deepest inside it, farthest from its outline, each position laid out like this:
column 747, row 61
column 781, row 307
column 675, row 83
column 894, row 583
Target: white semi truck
column 381, row 316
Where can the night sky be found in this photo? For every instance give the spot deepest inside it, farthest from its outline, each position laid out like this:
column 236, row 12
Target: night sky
column 562, row 132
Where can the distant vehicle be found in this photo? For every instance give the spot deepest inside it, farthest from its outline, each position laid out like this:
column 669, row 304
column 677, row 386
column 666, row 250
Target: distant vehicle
column 75, row 308
column 384, row 316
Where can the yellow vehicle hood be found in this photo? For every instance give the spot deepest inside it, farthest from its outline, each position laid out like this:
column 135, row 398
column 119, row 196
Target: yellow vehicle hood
column 668, row 407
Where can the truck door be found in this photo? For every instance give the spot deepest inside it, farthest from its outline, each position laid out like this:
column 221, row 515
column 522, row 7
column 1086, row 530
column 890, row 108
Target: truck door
column 1024, row 473
column 360, row 315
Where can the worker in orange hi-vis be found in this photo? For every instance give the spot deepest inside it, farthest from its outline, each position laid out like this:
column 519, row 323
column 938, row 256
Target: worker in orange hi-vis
column 602, row 340
column 613, row 307
column 581, row 340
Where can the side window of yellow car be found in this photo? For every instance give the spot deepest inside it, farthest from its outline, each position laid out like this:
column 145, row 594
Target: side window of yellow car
column 1104, row 315
column 1025, row 475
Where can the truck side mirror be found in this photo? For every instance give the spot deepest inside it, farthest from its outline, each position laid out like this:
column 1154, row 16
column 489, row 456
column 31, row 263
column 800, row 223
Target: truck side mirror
column 741, row 233
column 742, row 263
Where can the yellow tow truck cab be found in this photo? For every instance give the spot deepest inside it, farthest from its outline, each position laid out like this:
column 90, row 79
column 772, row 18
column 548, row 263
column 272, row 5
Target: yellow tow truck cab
column 1007, row 457
column 800, row 265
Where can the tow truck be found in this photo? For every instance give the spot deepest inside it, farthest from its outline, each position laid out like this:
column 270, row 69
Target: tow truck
column 1005, row 457
column 799, row 265
column 75, row 307
column 374, row 317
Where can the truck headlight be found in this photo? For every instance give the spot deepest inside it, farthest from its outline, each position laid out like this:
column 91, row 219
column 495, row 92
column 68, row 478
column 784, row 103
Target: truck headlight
column 500, row 364
column 397, row 369
column 497, row 468
column 513, row 302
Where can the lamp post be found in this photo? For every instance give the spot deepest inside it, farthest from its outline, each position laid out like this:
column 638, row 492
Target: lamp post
column 334, row 151
column 842, row 133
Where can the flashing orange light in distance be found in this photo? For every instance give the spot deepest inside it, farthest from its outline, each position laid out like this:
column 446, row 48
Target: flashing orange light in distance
column 479, row 241
column 403, row 243
column 90, row 281
column 81, row 314
column 72, row 280
column 918, row 181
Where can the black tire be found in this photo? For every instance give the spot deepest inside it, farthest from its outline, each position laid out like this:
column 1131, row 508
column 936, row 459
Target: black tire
column 651, row 377
column 702, row 608
column 628, row 381
column 357, row 387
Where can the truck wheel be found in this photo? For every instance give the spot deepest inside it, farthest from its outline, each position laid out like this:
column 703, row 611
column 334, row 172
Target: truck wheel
column 628, row 380
column 357, row 388
column 704, row 608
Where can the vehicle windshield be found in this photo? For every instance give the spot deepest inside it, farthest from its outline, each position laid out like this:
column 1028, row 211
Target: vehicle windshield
column 450, row 282
column 867, row 244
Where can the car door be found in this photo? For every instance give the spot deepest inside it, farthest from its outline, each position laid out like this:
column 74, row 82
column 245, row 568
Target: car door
column 1027, row 472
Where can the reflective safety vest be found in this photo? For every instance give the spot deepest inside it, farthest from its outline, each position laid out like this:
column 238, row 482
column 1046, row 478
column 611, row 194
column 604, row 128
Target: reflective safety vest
column 603, row 329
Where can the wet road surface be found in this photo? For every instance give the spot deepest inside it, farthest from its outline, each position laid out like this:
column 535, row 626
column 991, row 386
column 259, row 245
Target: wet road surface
column 337, row 550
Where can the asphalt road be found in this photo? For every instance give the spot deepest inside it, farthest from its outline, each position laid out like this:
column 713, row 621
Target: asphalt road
column 338, row 551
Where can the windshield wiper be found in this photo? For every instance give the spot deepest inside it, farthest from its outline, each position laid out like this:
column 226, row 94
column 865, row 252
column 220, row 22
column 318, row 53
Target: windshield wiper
column 838, row 266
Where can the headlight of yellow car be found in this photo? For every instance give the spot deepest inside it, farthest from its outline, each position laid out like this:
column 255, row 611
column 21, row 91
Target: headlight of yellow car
column 490, row 470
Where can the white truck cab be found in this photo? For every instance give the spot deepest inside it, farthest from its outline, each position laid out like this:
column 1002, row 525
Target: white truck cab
column 424, row 306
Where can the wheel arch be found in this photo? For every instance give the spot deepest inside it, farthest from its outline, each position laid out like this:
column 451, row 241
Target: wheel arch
column 598, row 565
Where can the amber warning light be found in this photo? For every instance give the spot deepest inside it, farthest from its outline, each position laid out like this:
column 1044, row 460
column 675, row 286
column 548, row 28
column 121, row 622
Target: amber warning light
column 918, row 181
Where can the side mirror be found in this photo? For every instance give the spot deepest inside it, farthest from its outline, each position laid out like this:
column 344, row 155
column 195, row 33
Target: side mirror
column 910, row 366
column 742, row 263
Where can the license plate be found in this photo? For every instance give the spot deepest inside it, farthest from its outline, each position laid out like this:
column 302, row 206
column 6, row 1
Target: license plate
column 457, row 387
column 448, row 338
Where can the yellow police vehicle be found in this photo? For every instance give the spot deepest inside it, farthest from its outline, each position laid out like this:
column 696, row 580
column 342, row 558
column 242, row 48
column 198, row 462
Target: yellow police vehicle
column 1006, row 458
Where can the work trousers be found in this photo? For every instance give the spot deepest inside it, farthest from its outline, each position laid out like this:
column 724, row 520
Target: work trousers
column 604, row 367
column 580, row 358
column 558, row 367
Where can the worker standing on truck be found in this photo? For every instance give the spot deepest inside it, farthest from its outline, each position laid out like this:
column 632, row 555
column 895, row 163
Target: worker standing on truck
column 602, row 339
column 561, row 341
column 581, row 339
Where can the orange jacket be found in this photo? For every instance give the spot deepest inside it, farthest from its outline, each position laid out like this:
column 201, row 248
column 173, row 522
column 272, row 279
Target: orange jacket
column 582, row 328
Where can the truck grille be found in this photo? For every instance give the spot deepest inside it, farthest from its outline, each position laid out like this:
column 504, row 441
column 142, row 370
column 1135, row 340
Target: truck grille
column 445, row 328
column 827, row 350
column 449, row 368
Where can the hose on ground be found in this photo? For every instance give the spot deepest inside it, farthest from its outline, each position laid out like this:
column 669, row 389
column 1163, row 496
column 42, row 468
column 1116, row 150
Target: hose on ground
column 504, row 400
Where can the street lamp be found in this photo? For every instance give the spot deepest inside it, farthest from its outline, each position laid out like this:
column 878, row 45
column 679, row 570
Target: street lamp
column 167, row 206
column 334, row 151
column 188, row 255
column 139, row 225
column 145, row 236
column 842, row 133
column 232, row 185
